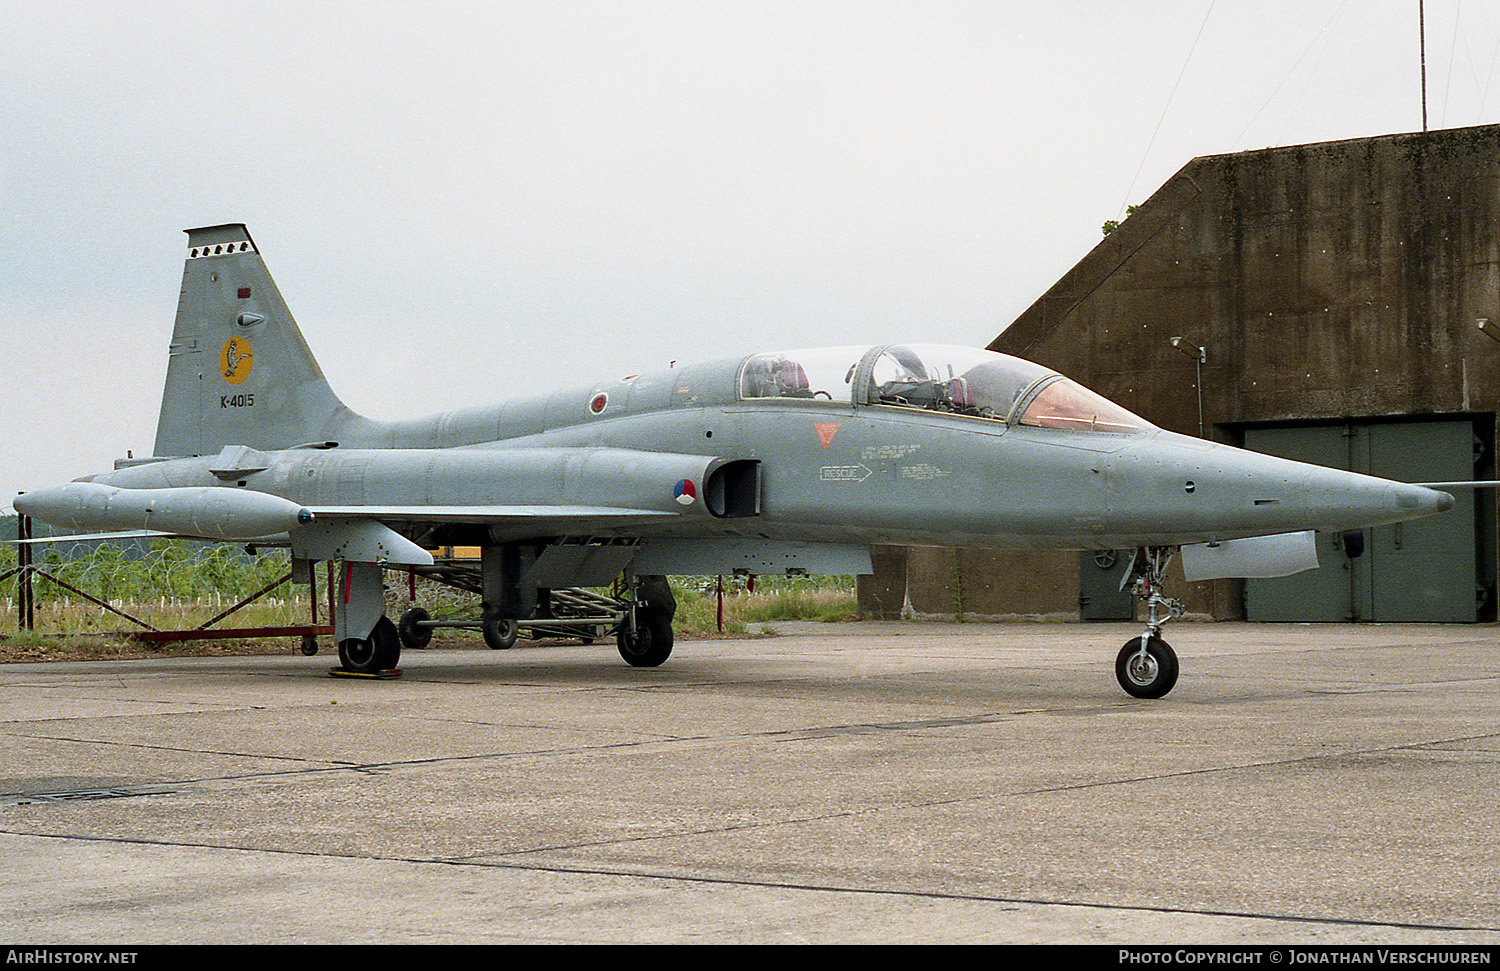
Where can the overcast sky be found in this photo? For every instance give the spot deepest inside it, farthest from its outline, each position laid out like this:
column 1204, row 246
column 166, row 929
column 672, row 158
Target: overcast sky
column 460, row 200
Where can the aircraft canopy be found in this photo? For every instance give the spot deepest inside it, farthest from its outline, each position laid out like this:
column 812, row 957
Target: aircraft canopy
column 934, row 377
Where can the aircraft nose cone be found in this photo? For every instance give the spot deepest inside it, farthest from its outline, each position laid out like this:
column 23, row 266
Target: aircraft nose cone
column 1418, row 500
column 1382, row 501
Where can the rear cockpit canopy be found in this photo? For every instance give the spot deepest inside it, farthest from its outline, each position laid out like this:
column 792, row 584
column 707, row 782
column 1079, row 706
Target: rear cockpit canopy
column 934, row 377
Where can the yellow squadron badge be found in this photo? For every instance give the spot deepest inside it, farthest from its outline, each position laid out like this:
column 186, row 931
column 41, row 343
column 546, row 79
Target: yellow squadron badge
column 236, row 360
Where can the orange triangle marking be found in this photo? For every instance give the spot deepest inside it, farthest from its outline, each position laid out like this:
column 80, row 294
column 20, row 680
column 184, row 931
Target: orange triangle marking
column 826, row 431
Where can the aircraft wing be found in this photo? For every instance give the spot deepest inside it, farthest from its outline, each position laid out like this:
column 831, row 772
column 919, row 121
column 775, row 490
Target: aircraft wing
column 579, row 516
column 361, row 533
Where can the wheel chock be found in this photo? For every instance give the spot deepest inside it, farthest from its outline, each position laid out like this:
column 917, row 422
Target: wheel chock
column 390, row 675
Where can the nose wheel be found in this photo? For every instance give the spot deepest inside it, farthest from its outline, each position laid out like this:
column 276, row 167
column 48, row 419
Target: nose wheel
column 1146, row 667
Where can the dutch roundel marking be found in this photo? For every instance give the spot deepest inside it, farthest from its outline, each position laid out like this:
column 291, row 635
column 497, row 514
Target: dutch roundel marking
column 236, row 360
column 221, row 249
column 598, row 403
column 685, row 492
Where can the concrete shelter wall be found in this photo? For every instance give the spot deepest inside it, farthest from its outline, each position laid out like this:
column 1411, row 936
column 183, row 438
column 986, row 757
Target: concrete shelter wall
column 1328, row 281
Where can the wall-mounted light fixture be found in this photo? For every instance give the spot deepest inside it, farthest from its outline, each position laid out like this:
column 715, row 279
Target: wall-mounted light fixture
column 1200, row 358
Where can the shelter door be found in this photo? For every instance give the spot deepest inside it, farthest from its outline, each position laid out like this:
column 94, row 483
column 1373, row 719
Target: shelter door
column 1422, row 571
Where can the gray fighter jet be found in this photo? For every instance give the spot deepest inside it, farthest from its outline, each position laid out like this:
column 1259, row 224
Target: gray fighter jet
column 792, row 461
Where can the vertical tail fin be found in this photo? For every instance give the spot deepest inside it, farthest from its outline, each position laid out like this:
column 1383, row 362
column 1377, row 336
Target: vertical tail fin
column 239, row 371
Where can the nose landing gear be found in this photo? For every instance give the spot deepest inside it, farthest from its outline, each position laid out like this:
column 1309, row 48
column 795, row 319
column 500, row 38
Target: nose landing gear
column 1146, row 666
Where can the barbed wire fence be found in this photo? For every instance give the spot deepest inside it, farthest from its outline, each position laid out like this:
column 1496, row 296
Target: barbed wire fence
column 172, row 587
column 166, row 586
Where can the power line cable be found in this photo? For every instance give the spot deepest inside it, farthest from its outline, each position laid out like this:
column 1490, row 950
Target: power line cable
column 1452, row 49
column 1166, row 106
column 1290, row 71
column 1484, row 90
column 1312, row 72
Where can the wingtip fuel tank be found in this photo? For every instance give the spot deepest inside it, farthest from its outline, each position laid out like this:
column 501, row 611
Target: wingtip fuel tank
column 221, row 513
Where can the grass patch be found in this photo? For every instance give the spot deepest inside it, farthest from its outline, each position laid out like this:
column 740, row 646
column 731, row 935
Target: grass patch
column 31, row 646
column 828, row 599
column 170, row 588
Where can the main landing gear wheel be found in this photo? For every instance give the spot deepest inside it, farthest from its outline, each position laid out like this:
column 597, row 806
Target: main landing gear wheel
column 645, row 637
column 381, row 651
column 1146, row 674
column 499, row 632
column 413, row 635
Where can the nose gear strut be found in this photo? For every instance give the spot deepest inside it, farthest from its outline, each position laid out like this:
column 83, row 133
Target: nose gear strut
column 1147, row 666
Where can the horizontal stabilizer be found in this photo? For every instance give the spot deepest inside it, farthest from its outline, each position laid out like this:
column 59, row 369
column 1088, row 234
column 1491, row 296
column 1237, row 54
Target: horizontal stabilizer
column 90, row 537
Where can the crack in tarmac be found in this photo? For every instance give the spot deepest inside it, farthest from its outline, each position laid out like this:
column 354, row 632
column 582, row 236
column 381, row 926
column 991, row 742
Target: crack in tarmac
column 1012, row 903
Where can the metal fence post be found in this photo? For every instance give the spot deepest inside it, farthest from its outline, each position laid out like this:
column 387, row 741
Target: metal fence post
column 27, row 618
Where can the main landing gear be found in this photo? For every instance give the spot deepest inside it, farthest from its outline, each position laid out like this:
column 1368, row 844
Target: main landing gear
column 1147, row 666
column 499, row 632
column 381, row 651
column 645, row 632
column 369, row 643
